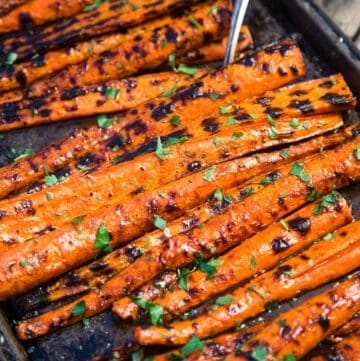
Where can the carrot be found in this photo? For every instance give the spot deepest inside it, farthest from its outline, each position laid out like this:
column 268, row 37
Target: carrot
column 316, row 318
column 56, row 60
column 100, row 271
column 137, row 127
column 353, row 326
column 215, row 51
column 34, row 13
column 147, row 51
column 346, row 350
column 223, row 231
column 107, row 17
column 322, row 263
column 9, row 5
column 111, row 185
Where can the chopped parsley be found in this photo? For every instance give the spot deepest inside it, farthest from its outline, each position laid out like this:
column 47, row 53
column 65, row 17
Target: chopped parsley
column 306, row 125
column 224, row 109
column 207, row 267
column 254, row 289
column 175, row 120
column 79, row 309
column 183, row 274
column 223, row 300
column 232, row 121
column 24, row 263
column 214, row 96
column 288, row 357
column 357, row 153
column 112, row 93
column 102, row 241
column 284, row 153
column 218, row 194
column 160, row 151
column 159, row 222
column 194, row 22
column 26, row 153
column 236, row 135
column 209, row 173
column 218, row 141
column 169, row 92
column 155, row 311
column 259, row 353
column 174, row 140
column 252, row 262
column 94, row 5
column 193, row 345
column 297, row 170
column 294, row 123
column 326, row 201
column 78, row 220
column 103, row 121
column 51, row 180
column 329, row 236
column 11, row 59
column 182, row 68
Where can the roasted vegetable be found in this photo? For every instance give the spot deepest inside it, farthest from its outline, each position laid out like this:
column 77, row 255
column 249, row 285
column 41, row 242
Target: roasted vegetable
column 146, row 51
column 317, row 317
column 8, row 5
column 34, row 13
column 324, row 261
column 136, row 127
column 107, row 17
column 289, row 337
column 41, row 213
column 218, row 234
column 346, row 350
column 100, row 271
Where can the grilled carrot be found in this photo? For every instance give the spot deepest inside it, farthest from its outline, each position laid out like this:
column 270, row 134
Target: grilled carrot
column 56, row 60
column 346, row 350
column 218, row 234
column 111, row 185
column 215, row 51
column 353, row 326
column 323, row 262
column 193, row 105
column 107, row 17
column 37, row 13
column 9, row 5
column 100, row 271
column 316, row 318
column 143, row 52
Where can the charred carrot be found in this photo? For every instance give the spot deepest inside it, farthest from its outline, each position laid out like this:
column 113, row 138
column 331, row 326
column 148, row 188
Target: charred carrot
column 9, row 5
column 107, row 17
column 218, row 234
column 34, row 13
column 215, row 51
column 143, row 52
column 108, row 97
column 99, row 271
column 317, row 317
column 111, row 185
column 346, row 350
column 312, row 268
column 195, row 106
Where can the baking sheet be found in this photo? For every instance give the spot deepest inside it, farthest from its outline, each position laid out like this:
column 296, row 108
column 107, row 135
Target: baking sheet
column 268, row 20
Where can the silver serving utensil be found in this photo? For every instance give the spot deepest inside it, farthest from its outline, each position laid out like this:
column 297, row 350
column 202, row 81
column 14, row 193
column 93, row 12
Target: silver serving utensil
column 237, row 20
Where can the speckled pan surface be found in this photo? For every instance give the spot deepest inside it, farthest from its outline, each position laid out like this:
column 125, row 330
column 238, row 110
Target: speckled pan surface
column 268, row 21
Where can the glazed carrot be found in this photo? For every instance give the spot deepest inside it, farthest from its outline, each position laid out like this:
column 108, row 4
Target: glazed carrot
column 223, row 231
column 215, row 51
column 107, row 17
column 9, row 5
column 34, row 13
column 111, row 185
column 353, row 326
column 190, row 104
column 143, row 52
column 323, row 262
column 346, row 350
column 109, row 97
column 100, row 271
column 317, row 317
column 56, row 60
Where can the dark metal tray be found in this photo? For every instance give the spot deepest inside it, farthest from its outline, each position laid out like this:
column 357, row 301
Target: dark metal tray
column 326, row 50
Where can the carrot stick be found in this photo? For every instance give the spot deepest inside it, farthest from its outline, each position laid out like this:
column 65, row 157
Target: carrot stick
column 190, row 104
column 107, row 17
column 223, row 231
column 317, row 318
column 111, row 185
column 37, row 13
column 100, row 271
column 323, row 262
column 346, row 350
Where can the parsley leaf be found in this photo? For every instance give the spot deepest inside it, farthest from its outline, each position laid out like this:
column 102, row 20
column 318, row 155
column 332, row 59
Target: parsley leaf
column 214, row 96
column 155, row 311
column 193, row 345
column 288, row 357
column 112, row 93
column 357, row 153
column 252, row 263
column 79, row 309
column 232, row 121
column 209, row 173
column 160, row 151
column 94, row 5
column 236, row 135
column 194, row 22
column 259, row 353
column 170, row 91
column 294, row 123
column 51, row 180
column 254, row 289
column 103, row 121
column 223, row 300
column 218, row 195
column 159, row 222
column 224, row 109
column 24, row 263
column 11, row 59
column 297, row 170
column 218, row 141
column 103, row 239
column 325, row 202
column 175, row 120
column 284, row 153
column 78, row 220
column 182, row 68
column 26, row 153
column 175, row 140
column 207, row 267
column 183, row 274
